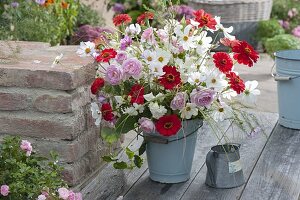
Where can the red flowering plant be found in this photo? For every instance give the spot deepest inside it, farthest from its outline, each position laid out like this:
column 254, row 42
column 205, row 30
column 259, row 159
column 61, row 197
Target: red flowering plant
column 151, row 79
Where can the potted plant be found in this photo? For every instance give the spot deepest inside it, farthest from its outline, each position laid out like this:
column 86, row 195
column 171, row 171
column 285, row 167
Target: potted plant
column 160, row 83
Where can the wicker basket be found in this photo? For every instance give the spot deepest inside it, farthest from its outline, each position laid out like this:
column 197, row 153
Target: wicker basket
column 235, row 10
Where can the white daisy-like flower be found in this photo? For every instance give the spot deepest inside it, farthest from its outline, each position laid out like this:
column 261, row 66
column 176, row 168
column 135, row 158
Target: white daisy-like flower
column 222, row 112
column 229, row 94
column 216, row 80
column 162, row 56
column 96, row 113
column 196, row 78
column 225, row 31
column 156, row 69
column 185, row 38
column 86, row 49
column 133, row 29
column 156, row 110
column 204, row 43
column 250, row 93
column 188, row 111
column 149, row 56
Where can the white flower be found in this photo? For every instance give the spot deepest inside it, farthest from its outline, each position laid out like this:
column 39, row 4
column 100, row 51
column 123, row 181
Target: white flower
column 188, row 111
column 156, row 69
column 162, row 56
column 185, row 39
column 119, row 100
column 57, row 60
column 133, row 29
column 157, row 110
column 86, row 49
column 226, row 31
column 131, row 111
column 194, row 23
column 96, row 113
column 229, row 94
column 222, row 112
column 204, row 43
column 250, row 94
column 216, row 80
column 196, row 78
column 149, row 56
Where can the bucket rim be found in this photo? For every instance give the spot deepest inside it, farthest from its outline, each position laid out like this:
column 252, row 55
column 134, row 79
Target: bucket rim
column 284, row 57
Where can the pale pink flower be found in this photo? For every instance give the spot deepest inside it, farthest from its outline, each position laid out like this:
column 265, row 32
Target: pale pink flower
column 4, row 190
column 147, row 125
column 63, row 193
column 41, row 197
column 26, row 146
column 178, row 101
column 132, row 67
column 284, row 24
column 148, row 36
column 296, row 31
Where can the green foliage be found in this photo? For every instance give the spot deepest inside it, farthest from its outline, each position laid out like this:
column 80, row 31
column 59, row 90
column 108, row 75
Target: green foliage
column 89, row 16
column 268, row 29
column 281, row 42
column 27, row 176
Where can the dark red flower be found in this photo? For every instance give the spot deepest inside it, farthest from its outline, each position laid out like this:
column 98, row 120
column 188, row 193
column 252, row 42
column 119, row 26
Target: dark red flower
column 144, row 17
column 106, row 55
column 236, row 83
column 121, row 19
column 171, row 78
column 97, row 84
column 223, row 62
column 107, row 113
column 137, row 94
column 205, row 19
column 168, row 125
column 245, row 54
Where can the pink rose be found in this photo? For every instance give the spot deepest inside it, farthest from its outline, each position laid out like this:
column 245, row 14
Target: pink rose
column 26, row 146
column 146, row 125
column 178, row 101
column 132, row 67
column 4, row 190
column 63, row 193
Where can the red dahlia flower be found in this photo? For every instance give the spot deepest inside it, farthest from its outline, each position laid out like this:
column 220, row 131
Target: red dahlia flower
column 107, row 113
column 205, row 19
column 121, row 19
column 245, row 54
column 106, row 55
column 97, row 84
column 137, row 94
column 171, row 78
column 168, row 125
column 223, row 62
column 236, row 83
column 143, row 17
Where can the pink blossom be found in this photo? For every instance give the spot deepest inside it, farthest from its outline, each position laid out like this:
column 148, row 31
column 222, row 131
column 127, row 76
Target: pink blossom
column 26, row 146
column 41, row 197
column 202, row 98
column 147, row 125
column 178, row 101
column 148, row 36
column 132, row 67
column 284, row 24
column 163, row 35
column 114, row 75
column 296, row 31
column 63, row 193
column 121, row 56
column 229, row 43
column 4, row 190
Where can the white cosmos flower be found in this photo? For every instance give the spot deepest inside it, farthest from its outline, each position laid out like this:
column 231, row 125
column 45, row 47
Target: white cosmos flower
column 188, row 111
column 149, row 56
column 226, row 31
column 157, row 111
column 162, row 56
column 229, row 94
column 185, row 39
column 196, row 78
column 222, row 112
column 250, row 94
column 156, row 69
column 86, row 49
column 96, row 113
column 133, row 29
column 216, row 80
column 204, row 43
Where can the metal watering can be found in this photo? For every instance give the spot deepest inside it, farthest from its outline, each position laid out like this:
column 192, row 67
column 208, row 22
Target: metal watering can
column 224, row 168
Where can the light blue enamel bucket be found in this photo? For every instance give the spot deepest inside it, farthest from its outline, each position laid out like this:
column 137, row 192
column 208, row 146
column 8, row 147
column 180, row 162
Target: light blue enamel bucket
column 288, row 87
column 170, row 158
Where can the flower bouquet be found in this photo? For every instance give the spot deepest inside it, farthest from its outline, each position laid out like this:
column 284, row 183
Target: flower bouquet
column 162, row 82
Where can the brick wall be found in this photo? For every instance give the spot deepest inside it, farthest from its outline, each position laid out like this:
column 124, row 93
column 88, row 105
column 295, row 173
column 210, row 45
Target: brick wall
column 49, row 106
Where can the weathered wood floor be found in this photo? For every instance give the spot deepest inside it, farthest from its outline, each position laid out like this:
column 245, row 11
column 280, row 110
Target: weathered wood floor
column 271, row 165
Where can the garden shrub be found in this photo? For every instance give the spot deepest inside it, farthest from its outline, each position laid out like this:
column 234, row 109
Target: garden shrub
column 88, row 16
column 281, row 42
column 268, row 29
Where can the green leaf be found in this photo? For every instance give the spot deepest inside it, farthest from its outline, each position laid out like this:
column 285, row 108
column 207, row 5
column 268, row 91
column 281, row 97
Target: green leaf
column 138, row 161
column 120, row 165
column 129, row 153
column 109, row 135
column 125, row 124
column 108, row 159
column 142, row 148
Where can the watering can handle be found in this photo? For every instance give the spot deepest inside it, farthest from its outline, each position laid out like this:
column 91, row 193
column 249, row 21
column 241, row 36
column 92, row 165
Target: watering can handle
column 279, row 78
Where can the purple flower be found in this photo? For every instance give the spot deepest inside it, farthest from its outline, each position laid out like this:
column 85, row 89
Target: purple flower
column 132, row 67
column 296, row 31
column 40, row 2
column 118, row 8
column 146, row 125
column 14, row 4
column 4, row 190
column 178, row 101
column 183, row 11
column 284, row 24
column 202, row 98
column 87, row 33
column 125, row 42
column 114, row 75
column 121, row 56
column 26, row 146
column 101, row 98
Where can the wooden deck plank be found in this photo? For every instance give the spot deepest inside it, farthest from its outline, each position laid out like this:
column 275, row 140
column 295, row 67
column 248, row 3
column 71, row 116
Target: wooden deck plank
column 250, row 152
column 146, row 189
column 277, row 174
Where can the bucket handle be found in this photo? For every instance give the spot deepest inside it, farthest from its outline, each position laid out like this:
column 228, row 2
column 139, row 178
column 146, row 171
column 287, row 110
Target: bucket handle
column 281, row 78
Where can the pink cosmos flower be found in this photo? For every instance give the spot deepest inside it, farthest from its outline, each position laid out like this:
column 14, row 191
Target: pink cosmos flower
column 63, row 193
column 26, row 146
column 148, row 36
column 4, row 190
column 132, row 67
column 147, row 125
column 296, row 31
column 114, row 75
